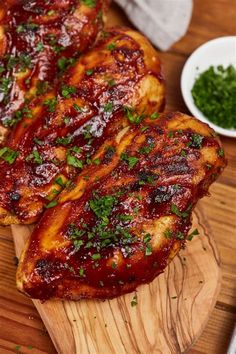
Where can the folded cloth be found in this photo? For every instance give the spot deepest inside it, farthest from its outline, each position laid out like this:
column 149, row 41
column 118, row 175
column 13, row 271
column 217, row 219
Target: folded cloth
column 164, row 22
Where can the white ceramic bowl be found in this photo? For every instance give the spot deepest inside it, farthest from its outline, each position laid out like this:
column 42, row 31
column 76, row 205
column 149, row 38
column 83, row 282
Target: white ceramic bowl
column 219, row 51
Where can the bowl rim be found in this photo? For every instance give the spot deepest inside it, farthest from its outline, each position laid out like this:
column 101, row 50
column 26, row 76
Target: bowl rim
column 186, row 94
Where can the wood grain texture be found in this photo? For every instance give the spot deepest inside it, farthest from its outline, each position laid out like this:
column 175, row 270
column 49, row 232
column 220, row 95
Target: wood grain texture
column 169, row 315
column 20, row 323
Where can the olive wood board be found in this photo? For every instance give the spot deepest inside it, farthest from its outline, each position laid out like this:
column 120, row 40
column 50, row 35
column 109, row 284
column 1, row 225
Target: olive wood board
column 170, row 314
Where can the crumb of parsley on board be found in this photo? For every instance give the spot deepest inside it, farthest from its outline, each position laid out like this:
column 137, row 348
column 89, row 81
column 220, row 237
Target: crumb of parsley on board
column 214, row 93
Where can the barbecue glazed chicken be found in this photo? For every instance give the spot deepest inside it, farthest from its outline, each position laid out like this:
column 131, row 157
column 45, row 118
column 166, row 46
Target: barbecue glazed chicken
column 38, row 41
column 113, row 180
column 123, row 219
column 118, row 82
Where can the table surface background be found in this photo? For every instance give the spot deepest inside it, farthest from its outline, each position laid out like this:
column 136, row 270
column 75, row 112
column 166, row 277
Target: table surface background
column 210, row 19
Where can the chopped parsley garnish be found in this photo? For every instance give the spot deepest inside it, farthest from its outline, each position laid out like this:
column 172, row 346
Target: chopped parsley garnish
column 5, row 85
column 175, row 210
column 111, row 82
column 154, row 115
column 51, row 104
column 81, row 272
column 54, row 192
column 51, row 12
column 194, row 233
column 214, row 93
column 146, row 177
column 124, row 217
column 143, row 129
column 196, row 141
column 87, row 134
column 67, row 91
column 89, row 72
column 103, row 233
column 78, row 244
column 180, row 236
column 64, row 63
column 58, row 48
column 77, row 108
column 23, row 62
column 35, row 157
column 170, row 134
column 131, row 160
column 97, row 161
column 42, row 87
column 18, row 115
column 64, row 140
column 37, row 141
column 147, row 238
column 75, row 235
column 67, row 120
column 134, row 301
column 72, row 160
column 108, row 107
column 221, row 152
column 168, row 233
column 27, row 26
column 96, row 256
column 89, row 3
column 39, row 47
column 20, row 28
column 103, row 206
column 148, row 250
column 146, row 149
column 75, row 231
column 114, row 265
column 51, row 204
column 60, row 182
column 8, row 155
column 132, row 116
column 111, row 46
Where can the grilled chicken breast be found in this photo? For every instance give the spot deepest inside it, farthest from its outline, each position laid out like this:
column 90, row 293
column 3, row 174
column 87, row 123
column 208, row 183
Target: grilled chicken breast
column 38, row 40
column 122, row 220
column 45, row 150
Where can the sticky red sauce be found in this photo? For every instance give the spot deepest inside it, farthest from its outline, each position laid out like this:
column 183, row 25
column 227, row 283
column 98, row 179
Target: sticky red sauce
column 103, row 92
column 37, row 34
column 148, row 191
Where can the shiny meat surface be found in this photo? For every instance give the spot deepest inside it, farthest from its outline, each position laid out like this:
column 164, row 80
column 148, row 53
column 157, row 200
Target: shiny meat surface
column 126, row 215
column 116, row 83
column 38, row 40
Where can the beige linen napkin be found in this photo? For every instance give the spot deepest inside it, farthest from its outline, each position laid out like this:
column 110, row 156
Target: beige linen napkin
column 164, row 22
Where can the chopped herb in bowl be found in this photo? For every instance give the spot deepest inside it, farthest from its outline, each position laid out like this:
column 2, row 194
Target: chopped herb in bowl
column 214, row 94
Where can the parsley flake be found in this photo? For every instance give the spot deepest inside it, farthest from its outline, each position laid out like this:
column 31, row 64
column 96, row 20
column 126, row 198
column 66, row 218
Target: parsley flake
column 51, row 104
column 175, row 210
column 67, row 91
column 8, row 155
column 51, row 204
column 134, row 301
column 89, row 72
column 132, row 116
column 89, row 3
column 194, row 233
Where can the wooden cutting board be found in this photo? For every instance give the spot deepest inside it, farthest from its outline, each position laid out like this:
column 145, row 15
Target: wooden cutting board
column 170, row 315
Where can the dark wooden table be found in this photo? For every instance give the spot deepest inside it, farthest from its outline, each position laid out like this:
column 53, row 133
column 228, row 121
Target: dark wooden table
column 20, row 324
